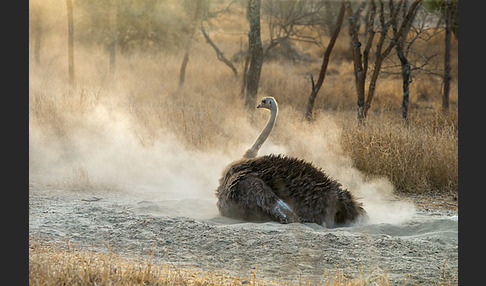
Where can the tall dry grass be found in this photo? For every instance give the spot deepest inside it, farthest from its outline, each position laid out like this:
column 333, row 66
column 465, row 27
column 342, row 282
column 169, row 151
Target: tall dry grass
column 50, row 264
column 418, row 156
column 56, row 264
column 207, row 115
column 140, row 107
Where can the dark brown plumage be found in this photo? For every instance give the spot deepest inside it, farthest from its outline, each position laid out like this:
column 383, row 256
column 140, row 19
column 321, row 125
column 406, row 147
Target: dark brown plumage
column 282, row 188
column 285, row 189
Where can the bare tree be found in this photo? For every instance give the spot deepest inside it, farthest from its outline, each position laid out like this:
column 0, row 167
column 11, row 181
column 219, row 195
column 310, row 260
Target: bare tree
column 35, row 24
column 447, row 55
column 410, row 61
column 381, row 52
column 113, row 34
column 219, row 54
column 448, row 10
column 405, row 64
column 289, row 21
column 70, row 42
column 325, row 61
column 360, row 61
column 185, row 60
column 244, row 76
column 255, row 53
column 440, row 7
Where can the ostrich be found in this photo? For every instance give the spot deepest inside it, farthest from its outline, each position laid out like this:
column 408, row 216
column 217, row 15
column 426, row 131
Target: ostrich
column 283, row 188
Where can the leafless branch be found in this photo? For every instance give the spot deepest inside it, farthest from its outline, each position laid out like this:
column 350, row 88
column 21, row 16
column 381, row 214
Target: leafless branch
column 219, row 53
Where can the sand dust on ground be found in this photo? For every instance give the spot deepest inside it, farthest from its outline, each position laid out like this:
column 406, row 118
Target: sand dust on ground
column 422, row 249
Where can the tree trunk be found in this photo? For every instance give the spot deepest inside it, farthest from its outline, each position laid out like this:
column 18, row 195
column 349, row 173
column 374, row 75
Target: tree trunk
column 182, row 73
column 360, row 64
column 37, row 32
column 37, row 45
column 325, row 61
column 404, row 62
column 361, row 67
column 256, row 54
column 406, row 72
column 114, row 36
column 245, row 74
column 380, row 56
column 447, row 56
column 185, row 60
column 70, row 42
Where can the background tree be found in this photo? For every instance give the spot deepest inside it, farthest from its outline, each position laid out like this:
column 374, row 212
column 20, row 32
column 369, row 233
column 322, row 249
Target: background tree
column 447, row 55
column 219, row 54
column 288, row 21
column 448, row 9
column 293, row 21
column 255, row 53
column 190, row 35
column 35, row 25
column 113, row 34
column 325, row 62
column 70, row 23
column 142, row 26
column 405, row 64
column 439, row 7
column 412, row 60
column 381, row 52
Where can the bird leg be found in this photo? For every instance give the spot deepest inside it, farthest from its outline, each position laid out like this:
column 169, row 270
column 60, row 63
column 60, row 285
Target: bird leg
column 285, row 213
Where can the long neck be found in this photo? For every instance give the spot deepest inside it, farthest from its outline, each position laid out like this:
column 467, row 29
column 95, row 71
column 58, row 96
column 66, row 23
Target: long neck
column 253, row 151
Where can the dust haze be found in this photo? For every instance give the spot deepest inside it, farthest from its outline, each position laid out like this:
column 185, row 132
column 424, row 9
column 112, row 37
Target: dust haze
column 135, row 133
column 101, row 151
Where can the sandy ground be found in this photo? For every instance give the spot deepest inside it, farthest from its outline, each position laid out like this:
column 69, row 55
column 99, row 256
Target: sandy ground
column 423, row 249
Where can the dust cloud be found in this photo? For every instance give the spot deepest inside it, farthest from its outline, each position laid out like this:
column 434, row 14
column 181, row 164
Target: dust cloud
column 105, row 146
column 320, row 143
column 129, row 133
column 101, row 151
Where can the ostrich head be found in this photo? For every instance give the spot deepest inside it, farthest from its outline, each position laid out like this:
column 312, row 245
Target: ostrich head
column 268, row 103
column 271, row 104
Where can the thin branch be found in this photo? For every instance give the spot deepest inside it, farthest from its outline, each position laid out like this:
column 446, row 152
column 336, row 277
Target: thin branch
column 371, row 35
column 325, row 61
column 223, row 10
column 219, row 53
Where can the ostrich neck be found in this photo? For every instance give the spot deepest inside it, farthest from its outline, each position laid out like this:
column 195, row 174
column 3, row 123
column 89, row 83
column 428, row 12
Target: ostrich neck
column 253, row 151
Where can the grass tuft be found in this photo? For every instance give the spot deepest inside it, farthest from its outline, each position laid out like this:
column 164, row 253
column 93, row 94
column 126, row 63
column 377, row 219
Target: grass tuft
column 59, row 264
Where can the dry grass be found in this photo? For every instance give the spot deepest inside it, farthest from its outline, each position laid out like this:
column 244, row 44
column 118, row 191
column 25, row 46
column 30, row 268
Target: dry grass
column 208, row 114
column 65, row 264
column 142, row 100
column 416, row 156
column 51, row 265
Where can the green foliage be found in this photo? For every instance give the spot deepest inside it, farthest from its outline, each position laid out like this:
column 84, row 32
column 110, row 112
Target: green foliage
column 432, row 6
column 148, row 25
column 439, row 7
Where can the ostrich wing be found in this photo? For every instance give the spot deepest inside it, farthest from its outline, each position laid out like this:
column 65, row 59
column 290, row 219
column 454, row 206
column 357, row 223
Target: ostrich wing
column 248, row 195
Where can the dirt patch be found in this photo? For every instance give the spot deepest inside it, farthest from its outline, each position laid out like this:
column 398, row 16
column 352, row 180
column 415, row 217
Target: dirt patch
column 433, row 200
column 423, row 249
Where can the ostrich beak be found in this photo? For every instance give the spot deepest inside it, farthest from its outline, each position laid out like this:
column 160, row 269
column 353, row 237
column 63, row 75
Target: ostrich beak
column 259, row 106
